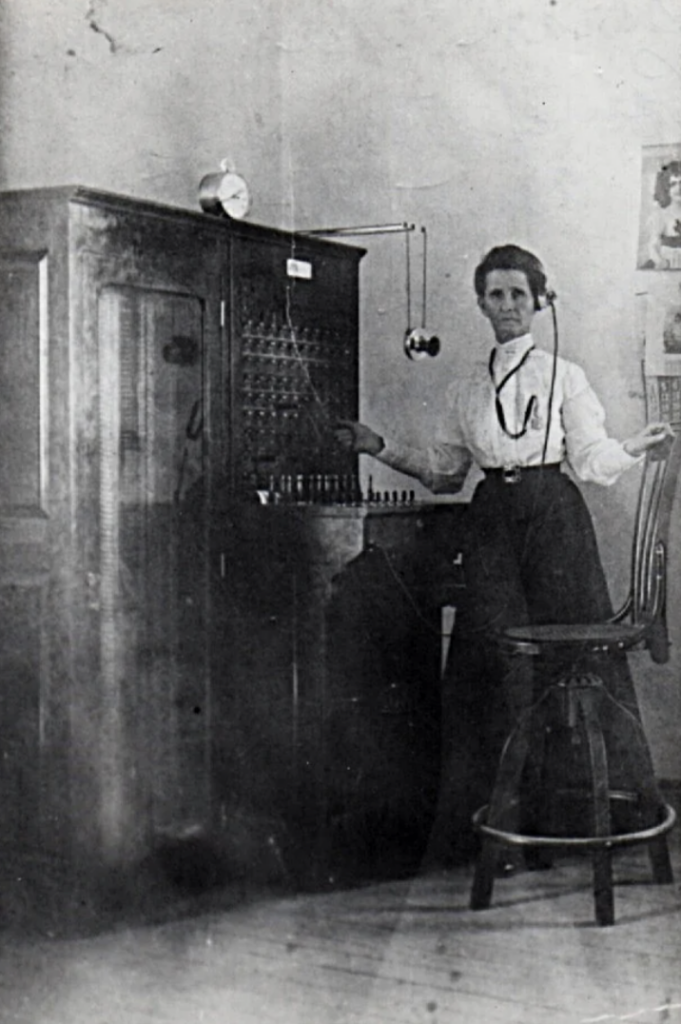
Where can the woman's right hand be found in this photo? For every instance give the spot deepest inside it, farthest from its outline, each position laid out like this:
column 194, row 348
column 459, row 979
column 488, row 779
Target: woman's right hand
column 357, row 437
column 651, row 436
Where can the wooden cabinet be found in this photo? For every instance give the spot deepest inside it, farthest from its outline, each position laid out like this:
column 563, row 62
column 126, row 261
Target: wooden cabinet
column 154, row 363
column 197, row 634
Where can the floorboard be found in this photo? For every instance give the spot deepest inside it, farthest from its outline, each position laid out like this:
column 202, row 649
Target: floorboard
column 399, row 952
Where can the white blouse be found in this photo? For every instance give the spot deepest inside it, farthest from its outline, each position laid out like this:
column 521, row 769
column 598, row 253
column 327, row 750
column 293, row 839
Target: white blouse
column 469, row 430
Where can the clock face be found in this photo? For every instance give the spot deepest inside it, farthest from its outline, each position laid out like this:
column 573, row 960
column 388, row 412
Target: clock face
column 234, row 196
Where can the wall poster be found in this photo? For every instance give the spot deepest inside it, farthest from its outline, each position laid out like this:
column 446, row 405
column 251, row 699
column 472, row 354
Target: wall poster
column 659, row 242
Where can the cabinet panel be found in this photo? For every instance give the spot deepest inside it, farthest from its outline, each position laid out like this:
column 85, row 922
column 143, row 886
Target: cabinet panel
column 294, row 367
column 23, row 383
column 27, row 650
column 151, row 424
column 21, row 655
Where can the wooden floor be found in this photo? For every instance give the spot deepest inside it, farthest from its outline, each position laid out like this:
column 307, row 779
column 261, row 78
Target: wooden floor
column 404, row 952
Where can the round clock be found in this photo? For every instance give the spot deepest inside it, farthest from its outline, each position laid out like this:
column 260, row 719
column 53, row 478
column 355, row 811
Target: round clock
column 226, row 192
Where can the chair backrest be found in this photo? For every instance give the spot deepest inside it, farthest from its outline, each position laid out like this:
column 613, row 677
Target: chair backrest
column 646, row 604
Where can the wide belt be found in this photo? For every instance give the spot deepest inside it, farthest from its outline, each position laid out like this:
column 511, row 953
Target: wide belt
column 514, row 474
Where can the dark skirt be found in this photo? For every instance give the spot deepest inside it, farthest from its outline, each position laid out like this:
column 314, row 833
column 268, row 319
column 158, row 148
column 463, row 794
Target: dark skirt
column 531, row 557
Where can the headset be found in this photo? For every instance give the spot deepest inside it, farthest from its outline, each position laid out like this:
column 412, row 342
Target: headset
column 548, row 301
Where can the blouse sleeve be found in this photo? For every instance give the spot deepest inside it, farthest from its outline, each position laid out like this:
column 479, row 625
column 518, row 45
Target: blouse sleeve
column 442, row 467
column 594, row 456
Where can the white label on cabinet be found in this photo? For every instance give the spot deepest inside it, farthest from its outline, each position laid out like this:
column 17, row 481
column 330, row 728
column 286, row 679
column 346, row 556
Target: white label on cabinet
column 299, row 268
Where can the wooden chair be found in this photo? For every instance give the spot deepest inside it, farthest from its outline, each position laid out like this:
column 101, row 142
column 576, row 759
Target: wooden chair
column 577, row 701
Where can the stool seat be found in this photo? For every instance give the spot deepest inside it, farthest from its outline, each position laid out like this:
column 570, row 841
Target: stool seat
column 595, row 636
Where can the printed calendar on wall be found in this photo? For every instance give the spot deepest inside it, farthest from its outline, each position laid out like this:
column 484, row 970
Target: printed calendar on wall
column 663, row 399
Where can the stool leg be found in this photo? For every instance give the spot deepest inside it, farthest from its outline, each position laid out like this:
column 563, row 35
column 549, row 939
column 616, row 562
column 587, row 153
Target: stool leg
column 483, row 879
column 658, row 849
column 602, row 858
column 506, row 788
column 660, row 861
column 538, row 799
column 604, row 899
column 651, row 799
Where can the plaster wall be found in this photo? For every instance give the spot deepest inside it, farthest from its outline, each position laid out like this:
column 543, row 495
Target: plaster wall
column 503, row 120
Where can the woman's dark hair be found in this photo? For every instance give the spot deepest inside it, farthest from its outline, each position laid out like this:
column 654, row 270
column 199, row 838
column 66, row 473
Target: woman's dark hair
column 665, row 173
column 512, row 257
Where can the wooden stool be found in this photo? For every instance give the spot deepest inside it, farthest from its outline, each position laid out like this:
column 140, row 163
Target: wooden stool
column 579, row 701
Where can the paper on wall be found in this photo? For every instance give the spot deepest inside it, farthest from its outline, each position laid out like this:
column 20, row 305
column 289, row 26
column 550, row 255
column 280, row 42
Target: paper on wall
column 662, row 339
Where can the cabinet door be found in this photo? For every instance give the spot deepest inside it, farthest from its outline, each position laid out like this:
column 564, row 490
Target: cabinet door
column 152, row 586
column 24, row 542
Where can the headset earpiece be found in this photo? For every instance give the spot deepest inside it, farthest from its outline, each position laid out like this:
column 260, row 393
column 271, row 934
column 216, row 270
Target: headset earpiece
column 546, row 299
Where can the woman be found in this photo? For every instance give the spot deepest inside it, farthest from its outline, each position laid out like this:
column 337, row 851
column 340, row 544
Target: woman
column 531, row 554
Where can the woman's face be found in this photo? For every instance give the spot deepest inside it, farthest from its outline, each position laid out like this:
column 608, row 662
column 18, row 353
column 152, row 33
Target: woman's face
column 508, row 303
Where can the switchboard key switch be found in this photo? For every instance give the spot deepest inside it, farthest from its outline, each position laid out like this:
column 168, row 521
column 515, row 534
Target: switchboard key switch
column 357, row 490
column 287, row 487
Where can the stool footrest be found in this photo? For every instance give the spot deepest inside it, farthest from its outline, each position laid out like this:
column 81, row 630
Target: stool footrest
column 579, row 842
column 514, row 818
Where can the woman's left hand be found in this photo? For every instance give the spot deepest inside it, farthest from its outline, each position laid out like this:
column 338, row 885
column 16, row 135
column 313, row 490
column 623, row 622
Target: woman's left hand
column 649, row 437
